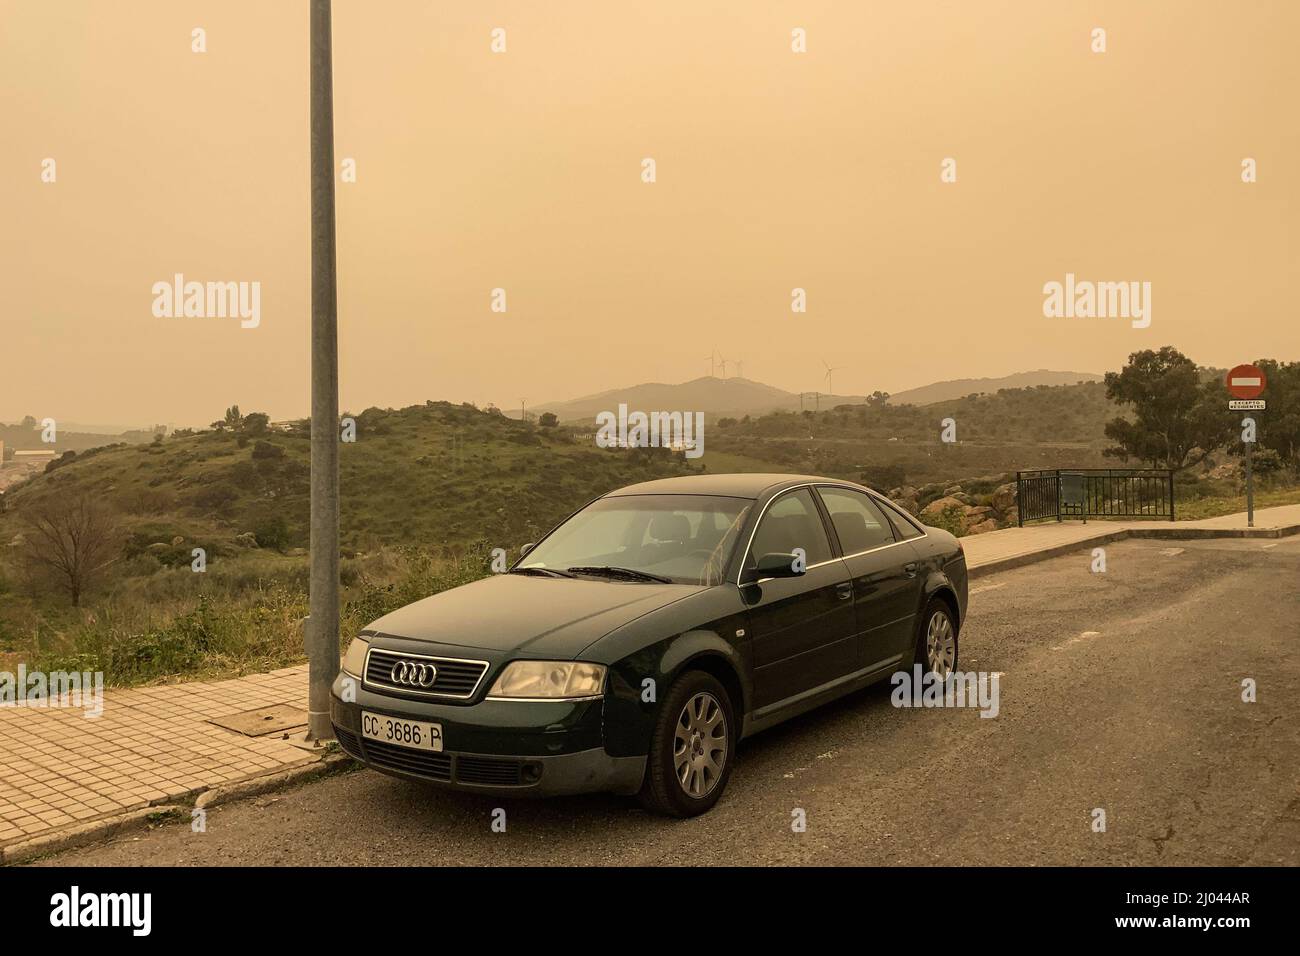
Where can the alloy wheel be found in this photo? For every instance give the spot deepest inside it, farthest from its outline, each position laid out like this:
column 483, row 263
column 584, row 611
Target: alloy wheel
column 940, row 644
column 700, row 745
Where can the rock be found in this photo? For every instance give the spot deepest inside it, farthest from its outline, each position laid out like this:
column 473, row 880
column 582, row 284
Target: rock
column 978, row 512
column 940, row 505
column 910, row 492
column 964, row 498
column 952, row 490
column 177, row 541
column 1004, row 497
column 159, row 547
column 989, row 525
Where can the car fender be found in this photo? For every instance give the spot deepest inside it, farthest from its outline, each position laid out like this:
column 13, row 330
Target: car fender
column 938, row 580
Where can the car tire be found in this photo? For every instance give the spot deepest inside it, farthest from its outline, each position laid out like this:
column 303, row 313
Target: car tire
column 937, row 620
column 685, row 743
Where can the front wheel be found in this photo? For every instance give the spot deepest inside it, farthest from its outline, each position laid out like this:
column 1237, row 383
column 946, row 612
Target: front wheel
column 691, row 749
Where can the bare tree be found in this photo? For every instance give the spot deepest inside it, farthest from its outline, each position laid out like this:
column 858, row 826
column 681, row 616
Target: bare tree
column 72, row 538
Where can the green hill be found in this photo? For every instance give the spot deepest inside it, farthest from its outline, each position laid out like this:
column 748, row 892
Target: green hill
column 434, row 476
column 886, row 444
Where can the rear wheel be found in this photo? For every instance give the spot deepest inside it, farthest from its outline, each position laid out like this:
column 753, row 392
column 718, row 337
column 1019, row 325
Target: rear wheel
column 936, row 639
column 691, row 749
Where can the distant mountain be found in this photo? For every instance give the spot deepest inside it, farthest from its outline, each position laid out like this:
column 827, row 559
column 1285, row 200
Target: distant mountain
column 961, row 387
column 714, row 396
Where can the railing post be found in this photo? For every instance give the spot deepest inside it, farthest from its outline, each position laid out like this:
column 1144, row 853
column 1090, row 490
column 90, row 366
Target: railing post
column 1020, row 504
column 1171, row 496
column 1058, row 496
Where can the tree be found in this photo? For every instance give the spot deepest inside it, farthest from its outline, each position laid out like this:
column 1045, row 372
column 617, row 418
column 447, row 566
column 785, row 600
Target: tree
column 72, row 538
column 255, row 423
column 1279, row 424
column 233, row 418
column 1180, row 412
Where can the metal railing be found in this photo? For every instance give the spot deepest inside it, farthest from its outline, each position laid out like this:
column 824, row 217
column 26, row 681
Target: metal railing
column 1094, row 493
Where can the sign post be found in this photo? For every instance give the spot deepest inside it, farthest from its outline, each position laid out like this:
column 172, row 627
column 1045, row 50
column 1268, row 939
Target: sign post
column 1245, row 385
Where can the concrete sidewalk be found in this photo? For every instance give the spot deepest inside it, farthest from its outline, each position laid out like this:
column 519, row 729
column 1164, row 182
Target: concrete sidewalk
column 1012, row 547
column 160, row 745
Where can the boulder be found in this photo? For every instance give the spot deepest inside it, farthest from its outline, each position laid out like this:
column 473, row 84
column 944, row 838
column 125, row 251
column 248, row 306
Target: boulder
column 1004, row 497
column 981, row 527
column 978, row 512
column 177, row 541
column 940, row 505
column 159, row 547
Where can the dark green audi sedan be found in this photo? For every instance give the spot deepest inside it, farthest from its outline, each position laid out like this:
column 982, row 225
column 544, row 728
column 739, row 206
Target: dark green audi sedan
column 636, row 644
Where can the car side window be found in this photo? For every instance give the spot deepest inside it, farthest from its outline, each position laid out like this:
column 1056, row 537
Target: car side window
column 791, row 521
column 858, row 522
column 905, row 526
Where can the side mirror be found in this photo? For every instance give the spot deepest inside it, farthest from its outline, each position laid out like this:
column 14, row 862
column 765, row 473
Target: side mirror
column 776, row 565
column 524, row 549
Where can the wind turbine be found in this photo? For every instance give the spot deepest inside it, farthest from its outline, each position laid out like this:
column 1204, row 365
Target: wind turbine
column 830, row 387
column 710, row 358
column 740, row 368
column 723, row 362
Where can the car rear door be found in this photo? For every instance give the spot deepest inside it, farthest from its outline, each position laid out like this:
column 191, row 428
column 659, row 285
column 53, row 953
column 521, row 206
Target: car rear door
column 801, row 629
column 883, row 569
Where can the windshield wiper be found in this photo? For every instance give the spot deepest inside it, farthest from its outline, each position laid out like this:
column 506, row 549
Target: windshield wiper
column 540, row 570
column 629, row 573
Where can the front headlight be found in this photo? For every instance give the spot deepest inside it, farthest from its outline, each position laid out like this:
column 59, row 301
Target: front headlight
column 354, row 661
column 550, row 680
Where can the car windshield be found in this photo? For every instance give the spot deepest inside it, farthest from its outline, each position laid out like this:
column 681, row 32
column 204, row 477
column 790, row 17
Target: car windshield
column 686, row 539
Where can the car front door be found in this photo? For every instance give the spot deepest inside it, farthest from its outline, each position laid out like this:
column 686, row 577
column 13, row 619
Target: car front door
column 802, row 628
column 886, row 586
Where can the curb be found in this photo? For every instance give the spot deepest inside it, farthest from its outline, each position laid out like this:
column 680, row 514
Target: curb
column 1106, row 537
column 97, row 831
column 256, row 786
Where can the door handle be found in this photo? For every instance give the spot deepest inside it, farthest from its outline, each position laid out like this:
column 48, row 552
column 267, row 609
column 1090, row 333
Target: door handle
column 845, row 590
column 910, row 569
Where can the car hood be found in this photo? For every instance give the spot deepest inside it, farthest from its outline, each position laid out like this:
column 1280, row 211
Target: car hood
column 532, row 616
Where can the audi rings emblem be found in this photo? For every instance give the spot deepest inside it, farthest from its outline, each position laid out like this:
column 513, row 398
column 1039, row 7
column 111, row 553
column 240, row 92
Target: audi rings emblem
column 413, row 674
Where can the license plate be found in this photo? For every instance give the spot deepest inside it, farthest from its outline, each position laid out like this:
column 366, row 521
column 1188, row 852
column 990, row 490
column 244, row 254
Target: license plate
column 415, row 734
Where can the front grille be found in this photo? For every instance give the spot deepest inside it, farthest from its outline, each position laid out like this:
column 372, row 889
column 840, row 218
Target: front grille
column 484, row 771
column 421, row 763
column 456, row 678
column 488, row 770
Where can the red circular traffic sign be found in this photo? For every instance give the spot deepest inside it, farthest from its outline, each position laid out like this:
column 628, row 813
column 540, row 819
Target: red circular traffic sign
column 1246, row 381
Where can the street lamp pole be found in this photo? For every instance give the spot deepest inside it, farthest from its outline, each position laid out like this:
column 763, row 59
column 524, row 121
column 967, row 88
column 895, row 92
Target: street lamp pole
column 323, row 622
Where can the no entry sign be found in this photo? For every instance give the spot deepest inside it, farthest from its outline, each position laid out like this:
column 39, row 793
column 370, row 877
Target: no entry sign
column 1246, row 381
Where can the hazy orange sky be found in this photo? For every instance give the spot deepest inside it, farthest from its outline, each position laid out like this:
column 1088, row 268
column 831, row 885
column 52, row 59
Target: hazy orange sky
column 522, row 170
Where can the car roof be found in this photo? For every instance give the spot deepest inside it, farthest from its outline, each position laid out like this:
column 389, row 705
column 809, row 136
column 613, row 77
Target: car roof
column 729, row 486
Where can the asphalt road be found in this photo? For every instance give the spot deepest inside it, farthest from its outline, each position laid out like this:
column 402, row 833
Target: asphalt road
column 1119, row 691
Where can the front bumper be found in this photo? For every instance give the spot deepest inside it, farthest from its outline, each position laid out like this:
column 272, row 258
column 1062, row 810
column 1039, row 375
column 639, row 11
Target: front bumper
column 521, row 748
